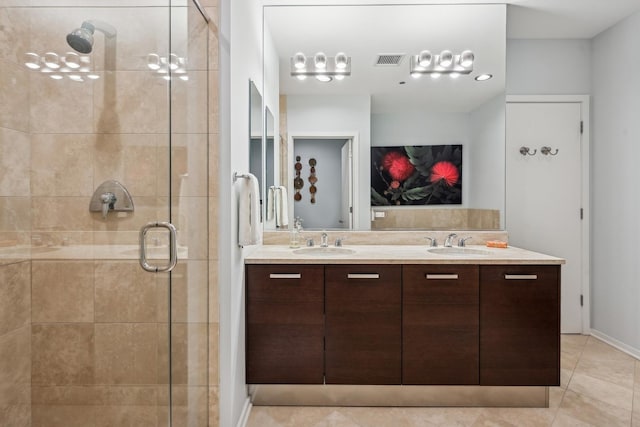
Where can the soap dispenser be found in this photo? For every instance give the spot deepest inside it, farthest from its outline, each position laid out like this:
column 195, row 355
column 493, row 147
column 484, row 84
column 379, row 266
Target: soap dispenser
column 294, row 236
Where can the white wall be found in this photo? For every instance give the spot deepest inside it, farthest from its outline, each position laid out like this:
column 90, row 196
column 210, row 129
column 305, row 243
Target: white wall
column 240, row 61
column 487, row 127
column 548, row 67
column 614, row 183
column 317, row 115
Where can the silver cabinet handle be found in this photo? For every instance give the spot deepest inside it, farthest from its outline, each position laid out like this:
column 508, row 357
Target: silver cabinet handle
column 521, row 277
column 285, row 276
column 362, row 276
column 441, row 276
column 173, row 247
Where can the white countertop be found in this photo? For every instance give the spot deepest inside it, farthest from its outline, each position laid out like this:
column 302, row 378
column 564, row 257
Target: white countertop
column 397, row 254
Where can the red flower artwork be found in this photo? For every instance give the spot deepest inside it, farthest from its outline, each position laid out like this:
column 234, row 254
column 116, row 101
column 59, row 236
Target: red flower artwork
column 398, row 166
column 446, row 171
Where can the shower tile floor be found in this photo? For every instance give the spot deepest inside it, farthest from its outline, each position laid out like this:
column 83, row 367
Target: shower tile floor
column 600, row 386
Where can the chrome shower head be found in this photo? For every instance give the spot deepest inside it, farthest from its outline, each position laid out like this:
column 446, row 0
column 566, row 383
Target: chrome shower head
column 81, row 39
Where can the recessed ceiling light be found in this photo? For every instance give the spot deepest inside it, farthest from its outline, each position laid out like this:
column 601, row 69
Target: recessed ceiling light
column 483, row 77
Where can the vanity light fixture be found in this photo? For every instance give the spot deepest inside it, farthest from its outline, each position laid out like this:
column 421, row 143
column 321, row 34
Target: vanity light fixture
column 56, row 66
column 324, row 68
column 444, row 63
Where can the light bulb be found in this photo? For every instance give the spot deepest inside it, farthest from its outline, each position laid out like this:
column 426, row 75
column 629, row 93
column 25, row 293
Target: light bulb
column 341, row 60
column 466, row 58
column 174, row 61
column 93, row 76
column 454, row 75
column 56, row 76
column 446, row 58
column 32, row 60
column 75, row 78
column 323, row 78
column 51, row 60
column 301, row 77
column 299, row 61
column 320, row 61
column 435, row 75
column 483, row 77
column 72, row 60
column 339, row 76
column 153, row 61
column 416, row 75
column 424, row 58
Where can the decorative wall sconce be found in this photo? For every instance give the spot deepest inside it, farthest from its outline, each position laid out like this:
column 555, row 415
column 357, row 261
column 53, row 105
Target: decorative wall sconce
column 324, row 68
column 446, row 62
column 162, row 65
column 75, row 67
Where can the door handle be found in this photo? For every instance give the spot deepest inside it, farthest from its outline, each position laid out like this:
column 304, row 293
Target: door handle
column 441, row 276
column 362, row 276
column 521, row 276
column 285, row 276
column 173, row 247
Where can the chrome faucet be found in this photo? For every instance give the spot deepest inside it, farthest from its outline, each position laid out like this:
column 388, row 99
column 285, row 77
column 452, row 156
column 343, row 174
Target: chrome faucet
column 324, row 240
column 449, row 241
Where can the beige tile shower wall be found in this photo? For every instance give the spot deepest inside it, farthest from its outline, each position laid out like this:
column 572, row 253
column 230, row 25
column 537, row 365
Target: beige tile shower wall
column 100, row 343
column 214, row 195
column 15, row 349
column 15, row 146
column 432, row 219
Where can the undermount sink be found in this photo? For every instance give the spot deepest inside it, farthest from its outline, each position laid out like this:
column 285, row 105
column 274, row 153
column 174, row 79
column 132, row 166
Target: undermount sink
column 323, row 251
column 458, row 251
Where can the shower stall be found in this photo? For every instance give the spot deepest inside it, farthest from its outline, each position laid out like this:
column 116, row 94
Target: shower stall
column 95, row 92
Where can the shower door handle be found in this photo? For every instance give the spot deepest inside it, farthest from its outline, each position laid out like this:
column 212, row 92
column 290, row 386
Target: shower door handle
column 173, row 247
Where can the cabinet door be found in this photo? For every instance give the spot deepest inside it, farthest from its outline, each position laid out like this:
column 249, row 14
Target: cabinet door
column 520, row 325
column 285, row 324
column 440, row 324
column 363, row 324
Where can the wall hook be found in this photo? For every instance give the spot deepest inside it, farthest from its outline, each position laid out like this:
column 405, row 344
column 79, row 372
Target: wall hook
column 526, row 150
column 547, row 151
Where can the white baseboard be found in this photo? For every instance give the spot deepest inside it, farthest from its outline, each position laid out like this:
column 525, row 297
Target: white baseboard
column 631, row 351
column 244, row 415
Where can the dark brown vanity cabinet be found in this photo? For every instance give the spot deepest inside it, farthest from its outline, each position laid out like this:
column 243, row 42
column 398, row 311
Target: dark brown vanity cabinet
column 520, row 325
column 285, row 324
column 385, row 324
column 440, row 324
column 363, row 326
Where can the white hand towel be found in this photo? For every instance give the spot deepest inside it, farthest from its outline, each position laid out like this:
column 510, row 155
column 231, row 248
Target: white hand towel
column 282, row 207
column 249, row 224
column 271, row 203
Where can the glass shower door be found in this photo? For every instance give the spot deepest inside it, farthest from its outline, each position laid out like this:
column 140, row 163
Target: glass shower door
column 96, row 340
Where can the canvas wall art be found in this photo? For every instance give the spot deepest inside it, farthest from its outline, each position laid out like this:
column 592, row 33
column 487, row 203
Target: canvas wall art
column 416, row 175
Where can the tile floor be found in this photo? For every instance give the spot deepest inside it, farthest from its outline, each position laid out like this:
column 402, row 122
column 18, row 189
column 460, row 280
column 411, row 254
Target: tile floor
column 600, row 387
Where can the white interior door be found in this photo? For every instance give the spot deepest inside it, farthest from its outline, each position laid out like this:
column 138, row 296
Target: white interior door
column 544, row 191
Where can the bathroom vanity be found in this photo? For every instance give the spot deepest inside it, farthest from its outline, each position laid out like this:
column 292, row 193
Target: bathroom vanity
column 402, row 325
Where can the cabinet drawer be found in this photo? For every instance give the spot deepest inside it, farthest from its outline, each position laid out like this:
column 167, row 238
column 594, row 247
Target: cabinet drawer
column 440, row 324
column 285, row 324
column 363, row 324
column 520, row 325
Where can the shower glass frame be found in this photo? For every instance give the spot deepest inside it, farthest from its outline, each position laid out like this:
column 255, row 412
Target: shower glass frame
column 98, row 337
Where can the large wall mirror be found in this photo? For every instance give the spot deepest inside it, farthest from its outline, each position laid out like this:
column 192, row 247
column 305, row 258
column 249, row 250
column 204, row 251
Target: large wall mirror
column 381, row 106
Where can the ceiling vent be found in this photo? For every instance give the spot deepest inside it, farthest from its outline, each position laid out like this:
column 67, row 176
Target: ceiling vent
column 389, row 60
